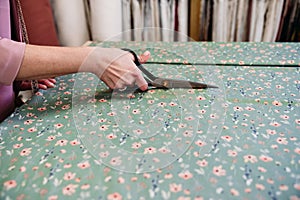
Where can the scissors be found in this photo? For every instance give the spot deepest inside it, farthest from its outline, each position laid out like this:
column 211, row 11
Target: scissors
column 166, row 83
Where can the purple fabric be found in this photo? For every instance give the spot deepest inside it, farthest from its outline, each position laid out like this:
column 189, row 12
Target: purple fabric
column 4, row 19
column 11, row 57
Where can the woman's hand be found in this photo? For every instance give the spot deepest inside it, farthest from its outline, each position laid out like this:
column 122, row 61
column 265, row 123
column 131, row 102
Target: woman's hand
column 44, row 84
column 116, row 68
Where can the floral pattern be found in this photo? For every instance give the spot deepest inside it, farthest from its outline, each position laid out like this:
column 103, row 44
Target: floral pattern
column 81, row 141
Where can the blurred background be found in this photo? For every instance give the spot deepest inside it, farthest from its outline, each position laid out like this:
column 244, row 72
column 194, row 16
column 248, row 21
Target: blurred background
column 73, row 22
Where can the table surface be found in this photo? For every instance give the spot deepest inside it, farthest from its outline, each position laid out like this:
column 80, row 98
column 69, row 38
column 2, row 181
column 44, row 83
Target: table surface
column 81, row 141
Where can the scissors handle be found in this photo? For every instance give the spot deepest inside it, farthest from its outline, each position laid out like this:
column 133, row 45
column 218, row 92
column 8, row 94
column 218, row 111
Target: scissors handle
column 150, row 76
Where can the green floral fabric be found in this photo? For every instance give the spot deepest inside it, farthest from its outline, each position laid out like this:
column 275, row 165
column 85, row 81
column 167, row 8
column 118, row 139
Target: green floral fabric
column 80, row 140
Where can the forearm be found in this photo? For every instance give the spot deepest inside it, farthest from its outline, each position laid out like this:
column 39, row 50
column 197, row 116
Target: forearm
column 44, row 61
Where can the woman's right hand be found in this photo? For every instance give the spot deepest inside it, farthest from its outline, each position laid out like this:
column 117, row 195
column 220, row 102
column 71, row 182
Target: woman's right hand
column 116, row 67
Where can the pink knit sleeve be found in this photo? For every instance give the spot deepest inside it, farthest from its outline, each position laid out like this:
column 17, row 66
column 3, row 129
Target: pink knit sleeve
column 11, row 56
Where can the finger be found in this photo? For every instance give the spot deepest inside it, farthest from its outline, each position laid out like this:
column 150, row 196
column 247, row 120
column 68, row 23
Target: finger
column 47, row 83
column 42, row 86
column 52, row 80
column 141, row 82
column 144, row 57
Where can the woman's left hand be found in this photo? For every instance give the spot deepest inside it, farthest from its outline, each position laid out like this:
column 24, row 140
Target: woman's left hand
column 44, row 84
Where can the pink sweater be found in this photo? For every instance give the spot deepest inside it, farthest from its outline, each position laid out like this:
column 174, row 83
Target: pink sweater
column 11, row 56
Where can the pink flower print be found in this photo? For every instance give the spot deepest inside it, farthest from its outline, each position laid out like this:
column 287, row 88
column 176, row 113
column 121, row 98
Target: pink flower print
column 85, row 186
column 183, row 198
column 185, row 175
column 188, row 133
column 277, row 103
column 181, row 125
column 111, row 136
column 136, row 111
column 150, row 101
column 29, row 121
column 213, row 116
column 202, row 163
column 9, row 184
column 227, row 138
column 168, row 176
column 250, row 158
column 281, row 140
column 65, row 107
column 202, row 111
column 83, row 165
column 241, row 62
column 232, row 153
column 111, row 114
column 53, row 197
column 146, row 175
column 149, row 150
column 279, row 86
column 189, row 118
column 283, row 187
column 172, row 104
column 102, row 100
column 276, row 124
column 175, row 187
column 262, row 169
column 297, row 150
column 219, row 171
column 116, row 161
column 50, row 138
column 58, row 103
column 69, row 176
column 103, row 127
column 104, row 154
column 102, row 120
column 59, row 125
column 75, row 142
column 136, row 145
column 265, row 158
column 17, row 146
column 164, row 150
column 162, row 104
column 121, row 180
column 48, row 165
column 26, row 152
column 29, row 115
column 297, row 121
column 42, row 109
column 69, row 189
column 249, row 108
column 114, row 196
column 61, row 143
column 134, row 179
column 234, row 192
column 201, row 98
column 284, row 117
column 200, row 143
column 237, row 108
column 297, row 186
column 67, row 166
column 22, row 169
column 271, row 132
column 138, row 131
column 260, row 186
column 32, row 129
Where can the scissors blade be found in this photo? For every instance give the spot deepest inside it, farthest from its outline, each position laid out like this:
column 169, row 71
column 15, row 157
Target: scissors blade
column 176, row 83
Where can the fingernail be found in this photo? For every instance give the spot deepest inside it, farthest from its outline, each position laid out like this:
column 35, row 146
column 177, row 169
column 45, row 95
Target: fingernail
column 146, row 53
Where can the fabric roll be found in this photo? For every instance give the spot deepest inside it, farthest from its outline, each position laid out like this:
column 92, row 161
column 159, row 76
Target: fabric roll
column 71, row 21
column 106, row 20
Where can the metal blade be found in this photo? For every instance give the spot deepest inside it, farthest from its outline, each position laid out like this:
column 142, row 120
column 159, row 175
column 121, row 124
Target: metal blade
column 175, row 83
